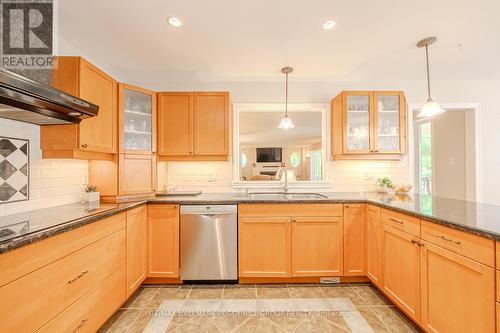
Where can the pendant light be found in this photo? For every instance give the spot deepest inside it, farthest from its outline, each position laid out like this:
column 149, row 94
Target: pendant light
column 286, row 122
column 430, row 108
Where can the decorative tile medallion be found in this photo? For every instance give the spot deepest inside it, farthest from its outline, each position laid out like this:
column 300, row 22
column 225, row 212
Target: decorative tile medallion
column 14, row 169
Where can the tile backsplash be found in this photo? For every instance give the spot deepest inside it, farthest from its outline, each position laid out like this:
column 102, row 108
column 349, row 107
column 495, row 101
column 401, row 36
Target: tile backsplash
column 346, row 176
column 52, row 182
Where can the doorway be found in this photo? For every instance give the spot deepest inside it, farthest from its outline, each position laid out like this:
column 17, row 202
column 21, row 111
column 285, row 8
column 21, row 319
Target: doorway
column 445, row 154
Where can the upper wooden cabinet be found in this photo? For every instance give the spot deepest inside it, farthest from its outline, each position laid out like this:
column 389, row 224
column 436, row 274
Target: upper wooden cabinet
column 369, row 125
column 193, row 126
column 137, row 119
column 93, row 138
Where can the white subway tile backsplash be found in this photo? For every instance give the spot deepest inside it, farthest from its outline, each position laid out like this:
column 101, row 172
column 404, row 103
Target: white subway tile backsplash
column 345, row 175
column 52, row 182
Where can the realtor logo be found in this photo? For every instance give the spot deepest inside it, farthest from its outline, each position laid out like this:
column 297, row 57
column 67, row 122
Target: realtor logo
column 26, row 34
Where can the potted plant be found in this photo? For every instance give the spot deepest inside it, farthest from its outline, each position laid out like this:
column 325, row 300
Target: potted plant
column 90, row 194
column 384, row 184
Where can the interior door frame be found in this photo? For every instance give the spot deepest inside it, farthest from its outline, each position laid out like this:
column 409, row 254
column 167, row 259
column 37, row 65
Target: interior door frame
column 412, row 107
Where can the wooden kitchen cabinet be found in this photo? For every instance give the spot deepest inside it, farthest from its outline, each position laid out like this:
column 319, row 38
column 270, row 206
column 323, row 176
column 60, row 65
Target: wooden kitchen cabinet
column 163, row 241
column 317, row 246
column 290, row 240
column 354, row 239
column 458, row 294
column 137, row 249
column 92, row 138
column 133, row 170
column 368, row 125
column 264, row 247
column 193, row 126
column 401, row 270
column 373, row 244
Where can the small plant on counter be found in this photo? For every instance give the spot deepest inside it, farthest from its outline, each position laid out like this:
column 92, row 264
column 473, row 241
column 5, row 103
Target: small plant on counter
column 90, row 194
column 90, row 188
column 384, row 184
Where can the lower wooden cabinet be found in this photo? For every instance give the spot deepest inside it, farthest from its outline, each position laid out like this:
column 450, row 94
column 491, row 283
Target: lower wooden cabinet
column 373, row 244
column 458, row 294
column 264, row 247
column 137, row 236
column 91, row 311
column 401, row 270
column 354, row 239
column 283, row 241
column 163, row 241
column 317, row 246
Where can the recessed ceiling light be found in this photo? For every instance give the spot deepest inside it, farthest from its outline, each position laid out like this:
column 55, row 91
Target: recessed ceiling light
column 328, row 24
column 174, row 22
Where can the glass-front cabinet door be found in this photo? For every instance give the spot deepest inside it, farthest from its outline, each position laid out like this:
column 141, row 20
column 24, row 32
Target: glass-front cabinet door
column 388, row 122
column 138, row 120
column 357, row 122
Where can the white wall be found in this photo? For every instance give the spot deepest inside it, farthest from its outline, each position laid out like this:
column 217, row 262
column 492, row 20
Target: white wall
column 52, row 182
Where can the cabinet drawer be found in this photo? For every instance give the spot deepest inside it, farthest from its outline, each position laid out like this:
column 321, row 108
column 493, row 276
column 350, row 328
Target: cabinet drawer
column 287, row 210
column 402, row 222
column 31, row 301
column 26, row 259
column 470, row 246
column 91, row 311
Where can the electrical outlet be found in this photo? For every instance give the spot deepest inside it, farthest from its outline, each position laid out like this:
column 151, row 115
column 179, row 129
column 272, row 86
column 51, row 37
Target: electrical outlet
column 212, row 177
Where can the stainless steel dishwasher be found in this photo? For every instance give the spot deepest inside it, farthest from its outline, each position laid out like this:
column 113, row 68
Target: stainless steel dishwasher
column 209, row 248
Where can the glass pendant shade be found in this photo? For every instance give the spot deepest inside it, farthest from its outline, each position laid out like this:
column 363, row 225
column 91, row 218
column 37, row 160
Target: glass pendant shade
column 430, row 109
column 286, row 123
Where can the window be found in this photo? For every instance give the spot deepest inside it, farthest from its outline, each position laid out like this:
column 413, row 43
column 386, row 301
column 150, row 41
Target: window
column 294, row 160
column 316, row 168
column 244, row 160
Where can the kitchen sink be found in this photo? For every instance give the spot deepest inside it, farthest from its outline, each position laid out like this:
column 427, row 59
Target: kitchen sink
column 286, row 196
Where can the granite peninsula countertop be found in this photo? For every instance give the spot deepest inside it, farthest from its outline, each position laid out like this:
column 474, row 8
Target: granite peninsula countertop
column 29, row 227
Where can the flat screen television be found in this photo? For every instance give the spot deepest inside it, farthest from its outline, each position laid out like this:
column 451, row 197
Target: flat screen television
column 268, row 155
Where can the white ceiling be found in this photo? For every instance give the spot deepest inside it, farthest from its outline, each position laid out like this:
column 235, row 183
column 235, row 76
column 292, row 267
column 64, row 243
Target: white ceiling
column 229, row 40
column 260, row 129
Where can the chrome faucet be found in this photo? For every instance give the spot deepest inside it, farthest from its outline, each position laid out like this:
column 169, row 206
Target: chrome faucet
column 279, row 173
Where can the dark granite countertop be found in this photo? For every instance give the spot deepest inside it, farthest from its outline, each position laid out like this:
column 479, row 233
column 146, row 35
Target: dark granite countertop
column 476, row 218
column 29, row 227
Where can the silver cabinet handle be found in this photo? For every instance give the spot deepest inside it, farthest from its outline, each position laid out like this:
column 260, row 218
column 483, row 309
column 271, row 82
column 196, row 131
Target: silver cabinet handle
column 82, row 274
column 396, row 221
column 80, row 325
column 448, row 239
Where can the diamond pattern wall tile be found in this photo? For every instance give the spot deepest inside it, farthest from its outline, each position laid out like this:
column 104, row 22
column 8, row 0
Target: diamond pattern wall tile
column 6, row 192
column 14, row 169
column 6, row 147
column 6, row 169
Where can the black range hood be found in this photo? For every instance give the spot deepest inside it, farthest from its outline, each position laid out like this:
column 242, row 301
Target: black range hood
column 27, row 100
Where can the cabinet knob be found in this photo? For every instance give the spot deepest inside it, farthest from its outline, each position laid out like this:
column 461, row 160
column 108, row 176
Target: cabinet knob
column 196, row 152
column 84, row 145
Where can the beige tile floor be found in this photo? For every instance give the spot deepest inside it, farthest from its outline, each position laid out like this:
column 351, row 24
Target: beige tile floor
column 258, row 308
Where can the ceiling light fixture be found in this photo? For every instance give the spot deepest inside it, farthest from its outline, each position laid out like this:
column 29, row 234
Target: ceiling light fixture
column 286, row 123
column 430, row 108
column 328, row 24
column 174, row 22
